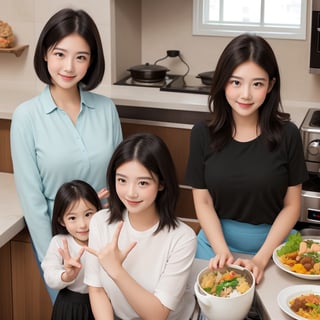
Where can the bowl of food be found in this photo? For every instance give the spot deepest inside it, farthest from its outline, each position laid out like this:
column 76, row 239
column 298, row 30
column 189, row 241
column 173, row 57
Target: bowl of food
column 226, row 293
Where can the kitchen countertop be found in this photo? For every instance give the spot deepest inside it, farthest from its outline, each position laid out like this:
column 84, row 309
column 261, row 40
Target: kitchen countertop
column 267, row 291
column 11, row 217
column 144, row 97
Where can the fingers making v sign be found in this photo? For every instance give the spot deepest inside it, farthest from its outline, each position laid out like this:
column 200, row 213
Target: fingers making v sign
column 111, row 256
column 71, row 265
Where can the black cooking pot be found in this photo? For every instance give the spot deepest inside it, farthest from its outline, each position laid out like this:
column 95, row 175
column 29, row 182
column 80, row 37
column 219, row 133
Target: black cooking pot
column 148, row 72
column 206, row 77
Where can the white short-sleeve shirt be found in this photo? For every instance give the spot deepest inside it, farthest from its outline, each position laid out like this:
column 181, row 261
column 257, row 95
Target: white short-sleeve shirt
column 161, row 263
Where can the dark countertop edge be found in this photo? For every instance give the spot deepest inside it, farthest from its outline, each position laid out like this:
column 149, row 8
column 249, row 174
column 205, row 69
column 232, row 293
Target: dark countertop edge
column 161, row 115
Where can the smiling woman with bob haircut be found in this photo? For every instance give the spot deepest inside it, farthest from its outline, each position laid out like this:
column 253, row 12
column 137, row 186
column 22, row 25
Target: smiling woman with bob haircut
column 66, row 132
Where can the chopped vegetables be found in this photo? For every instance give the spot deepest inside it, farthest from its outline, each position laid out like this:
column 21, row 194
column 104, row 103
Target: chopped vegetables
column 224, row 284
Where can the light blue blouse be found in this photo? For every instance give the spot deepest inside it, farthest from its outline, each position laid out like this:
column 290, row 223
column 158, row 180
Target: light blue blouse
column 48, row 149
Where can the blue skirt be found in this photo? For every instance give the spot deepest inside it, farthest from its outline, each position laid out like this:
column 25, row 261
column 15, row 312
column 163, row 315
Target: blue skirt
column 241, row 237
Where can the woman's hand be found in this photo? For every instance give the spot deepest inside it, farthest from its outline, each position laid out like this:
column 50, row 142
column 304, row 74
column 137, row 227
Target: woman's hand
column 103, row 194
column 252, row 266
column 111, row 257
column 220, row 260
column 71, row 265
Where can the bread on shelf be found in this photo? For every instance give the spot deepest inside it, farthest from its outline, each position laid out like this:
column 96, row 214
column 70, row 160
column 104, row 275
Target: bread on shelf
column 6, row 35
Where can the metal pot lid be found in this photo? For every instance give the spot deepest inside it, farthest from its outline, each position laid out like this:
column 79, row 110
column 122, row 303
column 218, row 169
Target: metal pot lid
column 206, row 75
column 148, row 67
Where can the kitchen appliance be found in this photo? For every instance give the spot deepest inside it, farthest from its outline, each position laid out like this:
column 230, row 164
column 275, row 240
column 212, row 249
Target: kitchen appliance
column 235, row 307
column 167, row 82
column 310, row 195
column 148, row 72
column 206, row 77
column 171, row 82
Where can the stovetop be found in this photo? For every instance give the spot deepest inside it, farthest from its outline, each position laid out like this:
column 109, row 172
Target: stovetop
column 129, row 81
column 173, row 83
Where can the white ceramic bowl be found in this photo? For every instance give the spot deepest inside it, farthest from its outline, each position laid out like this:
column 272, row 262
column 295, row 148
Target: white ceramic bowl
column 219, row 308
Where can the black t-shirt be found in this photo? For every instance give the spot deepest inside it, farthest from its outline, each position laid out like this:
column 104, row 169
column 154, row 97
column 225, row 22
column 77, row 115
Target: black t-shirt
column 247, row 182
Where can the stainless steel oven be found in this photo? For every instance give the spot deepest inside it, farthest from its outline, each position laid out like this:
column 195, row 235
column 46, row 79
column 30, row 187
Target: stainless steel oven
column 310, row 195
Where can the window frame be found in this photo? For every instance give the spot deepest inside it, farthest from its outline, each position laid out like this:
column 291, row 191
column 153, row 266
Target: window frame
column 199, row 27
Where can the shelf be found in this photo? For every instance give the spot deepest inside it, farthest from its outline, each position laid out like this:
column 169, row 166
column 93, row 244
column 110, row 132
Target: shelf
column 17, row 50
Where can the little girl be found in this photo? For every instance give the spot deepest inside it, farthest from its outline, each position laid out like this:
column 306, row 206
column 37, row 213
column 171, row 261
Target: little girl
column 141, row 253
column 74, row 206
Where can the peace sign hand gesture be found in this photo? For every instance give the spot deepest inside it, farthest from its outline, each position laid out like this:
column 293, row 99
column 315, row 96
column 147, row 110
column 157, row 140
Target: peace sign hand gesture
column 111, row 257
column 71, row 265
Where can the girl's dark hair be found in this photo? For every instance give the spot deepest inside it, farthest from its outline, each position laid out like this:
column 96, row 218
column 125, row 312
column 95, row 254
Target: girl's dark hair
column 149, row 150
column 60, row 25
column 246, row 47
column 68, row 194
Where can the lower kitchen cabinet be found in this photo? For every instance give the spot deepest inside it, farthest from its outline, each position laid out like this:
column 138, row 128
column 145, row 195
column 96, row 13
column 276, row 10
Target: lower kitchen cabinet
column 30, row 298
column 5, row 283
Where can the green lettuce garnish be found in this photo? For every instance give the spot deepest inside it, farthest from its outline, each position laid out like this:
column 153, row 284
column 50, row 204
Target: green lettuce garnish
column 291, row 245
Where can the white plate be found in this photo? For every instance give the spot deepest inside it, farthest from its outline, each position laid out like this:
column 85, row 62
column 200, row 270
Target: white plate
column 289, row 293
column 287, row 268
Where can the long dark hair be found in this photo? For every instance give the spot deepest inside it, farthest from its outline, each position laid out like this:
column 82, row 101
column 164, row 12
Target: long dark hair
column 241, row 49
column 67, row 194
column 149, row 150
column 62, row 24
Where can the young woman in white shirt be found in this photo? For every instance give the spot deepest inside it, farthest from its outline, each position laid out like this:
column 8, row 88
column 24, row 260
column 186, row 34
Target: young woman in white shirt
column 141, row 252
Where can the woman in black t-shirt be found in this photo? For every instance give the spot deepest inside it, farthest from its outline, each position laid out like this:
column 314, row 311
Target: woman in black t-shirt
column 246, row 164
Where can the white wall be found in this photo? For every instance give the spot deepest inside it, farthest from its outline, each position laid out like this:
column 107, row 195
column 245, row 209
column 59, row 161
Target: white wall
column 166, row 24
column 27, row 18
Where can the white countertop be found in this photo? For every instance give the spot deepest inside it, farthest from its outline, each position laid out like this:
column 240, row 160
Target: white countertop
column 144, row 97
column 267, row 291
column 11, row 217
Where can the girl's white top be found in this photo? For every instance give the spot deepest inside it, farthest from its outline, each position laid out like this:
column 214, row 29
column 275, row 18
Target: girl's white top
column 52, row 265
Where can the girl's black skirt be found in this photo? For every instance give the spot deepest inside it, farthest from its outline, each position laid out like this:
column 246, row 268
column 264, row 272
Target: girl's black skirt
column 71, row 305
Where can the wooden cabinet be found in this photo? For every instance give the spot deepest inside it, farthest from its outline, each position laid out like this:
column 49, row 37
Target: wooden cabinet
column 6, row 308
column 22, row 291
column 5, row 154
column 30, row 298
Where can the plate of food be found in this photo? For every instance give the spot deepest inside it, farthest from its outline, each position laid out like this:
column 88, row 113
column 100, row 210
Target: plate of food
column 299, row 256
column 300, row 302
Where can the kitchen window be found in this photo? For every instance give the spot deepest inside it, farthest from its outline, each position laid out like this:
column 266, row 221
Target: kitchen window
column 281, row 19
